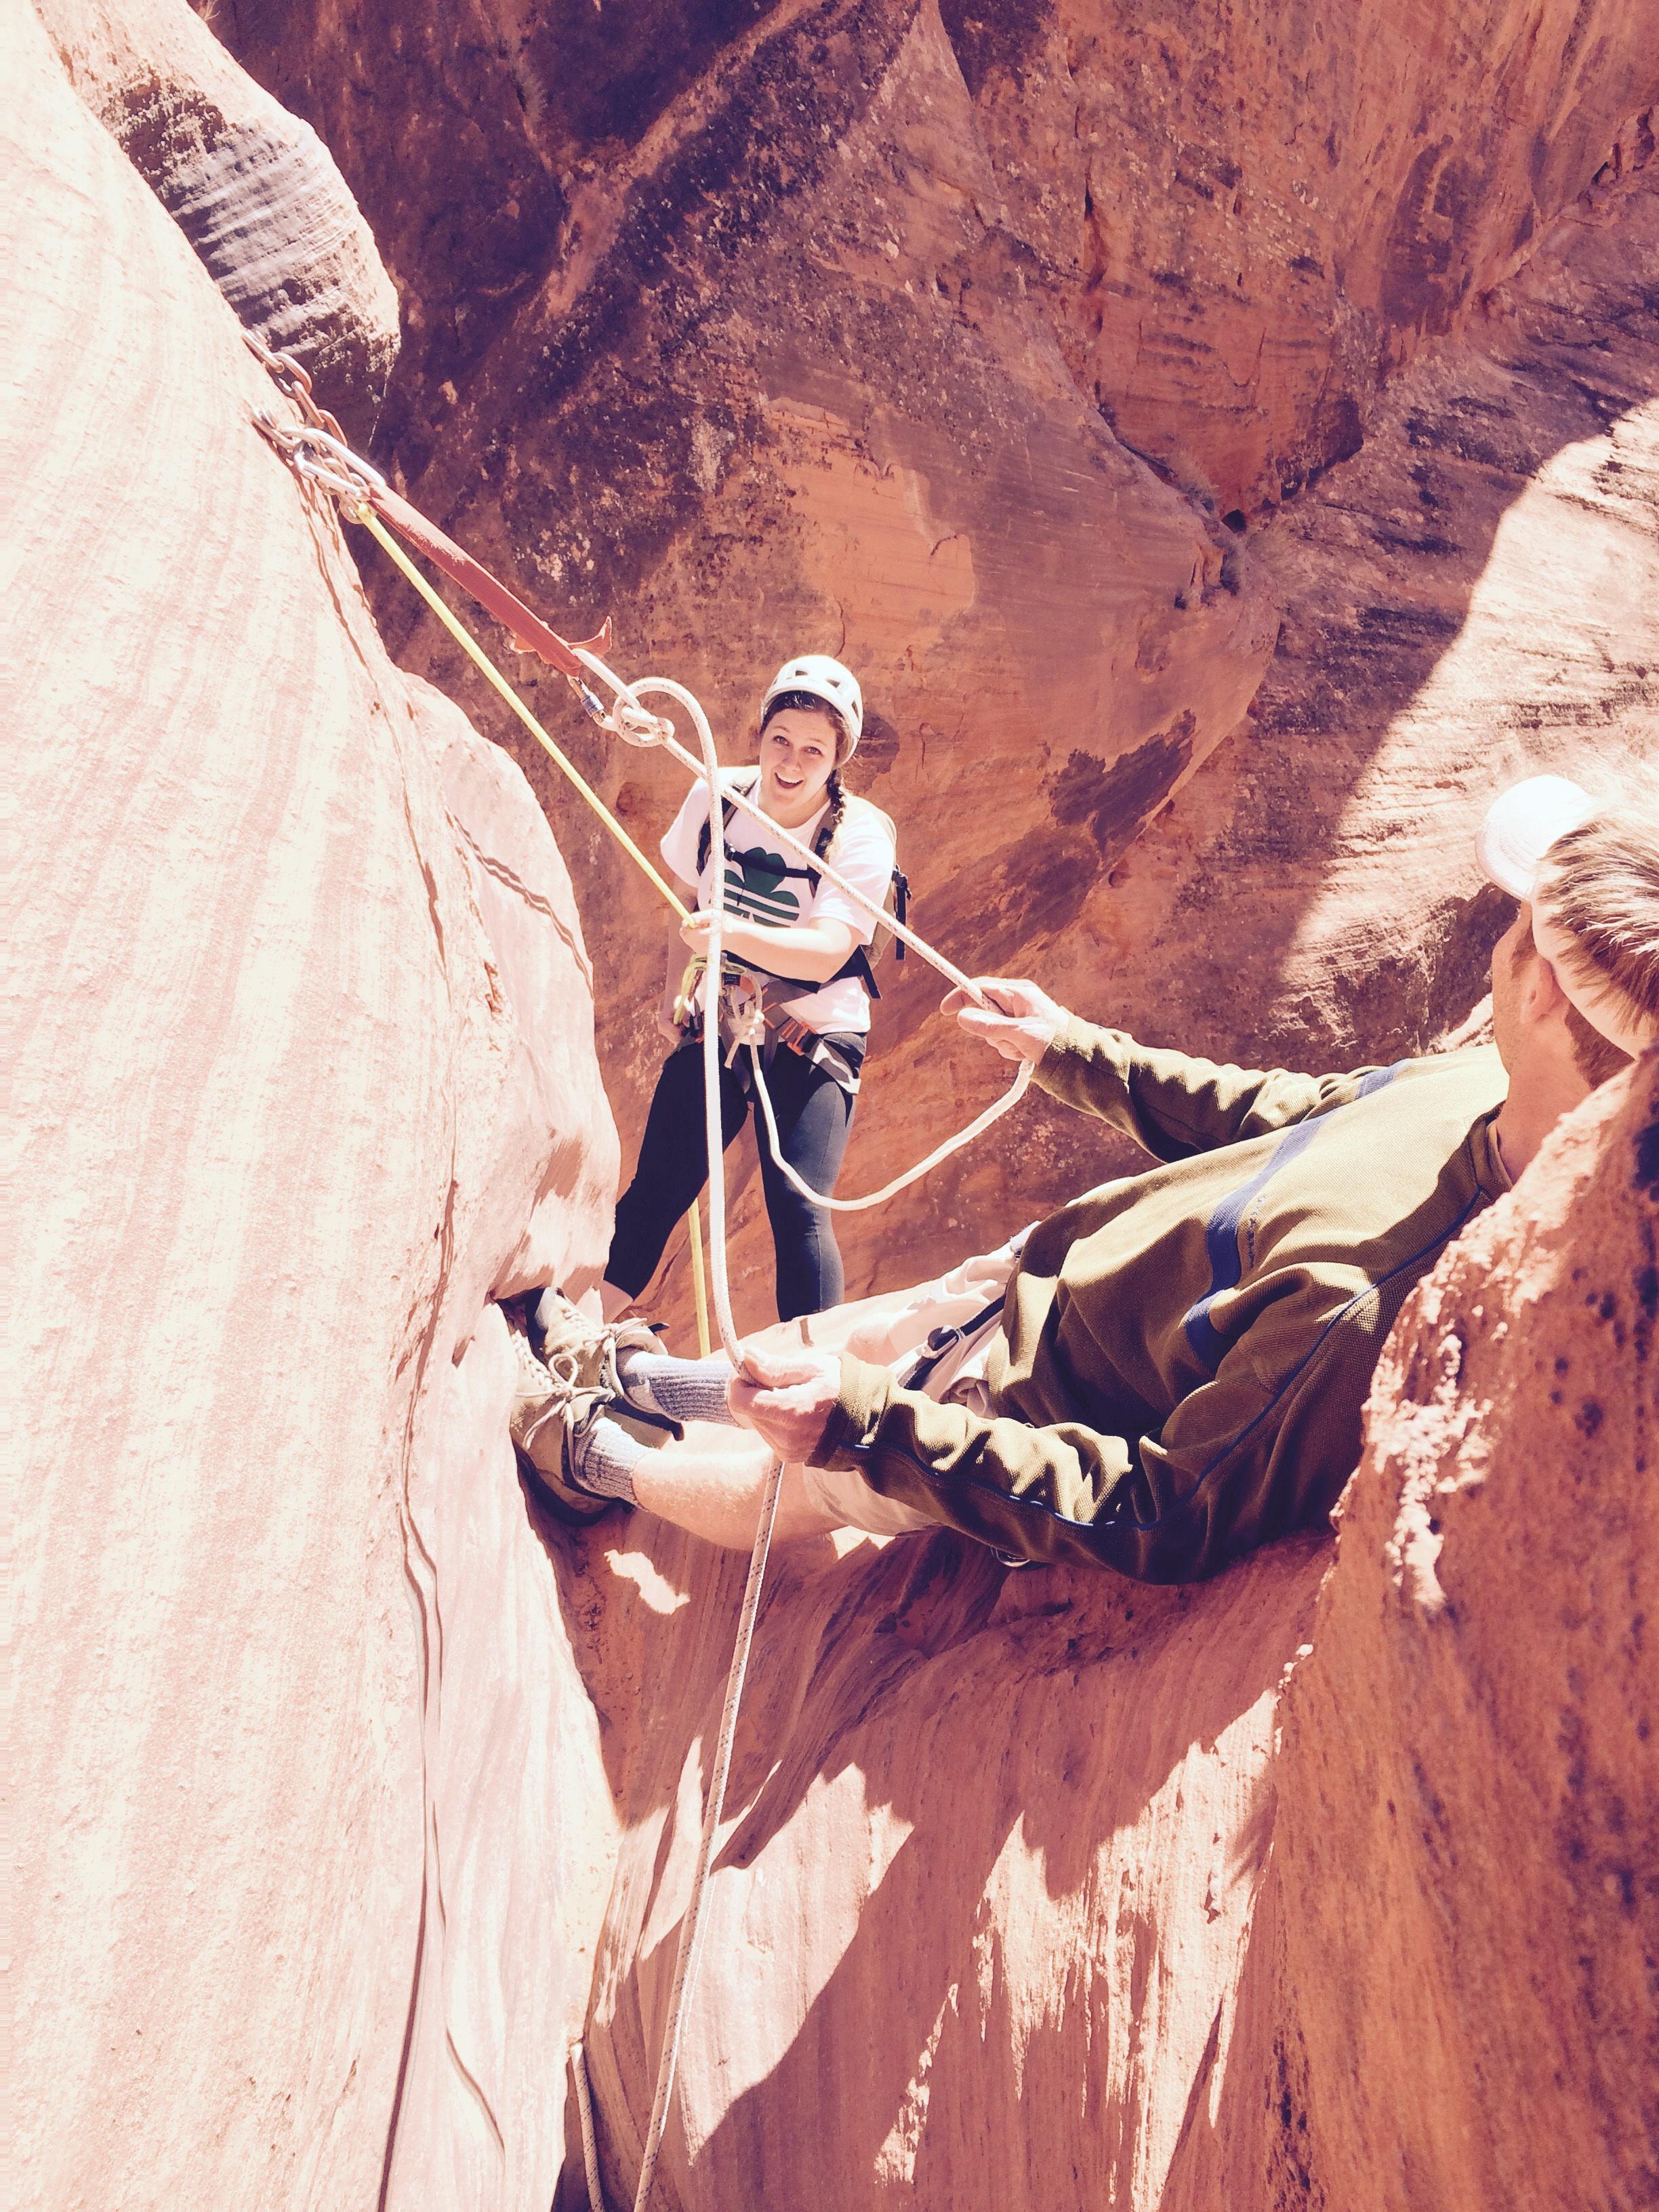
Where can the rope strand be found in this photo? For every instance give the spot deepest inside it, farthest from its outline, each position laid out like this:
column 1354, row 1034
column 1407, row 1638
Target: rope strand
column 685, row 1962
column 630, row 694
column 492, row 675
column 476, row 654
column 995, row 1112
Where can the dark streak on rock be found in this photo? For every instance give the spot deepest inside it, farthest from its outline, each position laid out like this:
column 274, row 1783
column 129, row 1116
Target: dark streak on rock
column 1646, row 1160
column 1116, row 800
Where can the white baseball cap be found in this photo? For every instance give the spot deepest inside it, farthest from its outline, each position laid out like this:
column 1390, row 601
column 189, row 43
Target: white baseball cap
column 1513, row 849
column 1521, row 826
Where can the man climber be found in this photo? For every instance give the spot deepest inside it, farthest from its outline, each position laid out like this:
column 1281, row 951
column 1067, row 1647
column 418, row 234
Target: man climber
column 1171, row 1370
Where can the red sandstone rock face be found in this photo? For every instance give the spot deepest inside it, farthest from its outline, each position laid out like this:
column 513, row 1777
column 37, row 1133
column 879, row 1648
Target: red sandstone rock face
column 1466, row 601
column 1471, row 1744
column 251, row 186
column 306, row 1078
column 1245, row 218
column 1238, row 220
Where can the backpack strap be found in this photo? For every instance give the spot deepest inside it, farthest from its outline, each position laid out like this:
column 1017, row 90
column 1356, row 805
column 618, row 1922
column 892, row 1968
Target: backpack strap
column 705, row 836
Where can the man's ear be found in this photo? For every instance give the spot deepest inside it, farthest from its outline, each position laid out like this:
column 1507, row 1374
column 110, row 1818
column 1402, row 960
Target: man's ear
column 1542, row 998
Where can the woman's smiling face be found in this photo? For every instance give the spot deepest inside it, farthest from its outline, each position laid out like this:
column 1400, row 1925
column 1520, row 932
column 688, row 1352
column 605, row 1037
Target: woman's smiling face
column 797, row 754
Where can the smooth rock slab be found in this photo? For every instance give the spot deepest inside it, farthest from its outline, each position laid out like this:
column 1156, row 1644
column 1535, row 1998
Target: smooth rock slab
column 305, row 1076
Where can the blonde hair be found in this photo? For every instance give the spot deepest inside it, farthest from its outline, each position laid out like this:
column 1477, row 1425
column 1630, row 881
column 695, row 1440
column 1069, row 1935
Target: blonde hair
column 1600, row 885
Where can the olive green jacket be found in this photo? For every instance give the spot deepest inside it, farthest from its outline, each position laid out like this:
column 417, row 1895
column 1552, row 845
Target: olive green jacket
column 1185, row 1354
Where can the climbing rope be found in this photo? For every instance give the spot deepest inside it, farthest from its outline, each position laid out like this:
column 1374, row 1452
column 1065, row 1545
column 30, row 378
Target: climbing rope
column 585, row 2121
column 365, row 515
column 691, row 1924
column 318, row 452
column 994, row 1112
column 645, row 729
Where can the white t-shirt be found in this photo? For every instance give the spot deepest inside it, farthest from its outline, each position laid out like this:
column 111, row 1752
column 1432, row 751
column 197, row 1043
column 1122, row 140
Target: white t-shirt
column 758, row 892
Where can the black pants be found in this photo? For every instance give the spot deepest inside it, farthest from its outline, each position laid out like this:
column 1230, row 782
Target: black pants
column 814, row 1115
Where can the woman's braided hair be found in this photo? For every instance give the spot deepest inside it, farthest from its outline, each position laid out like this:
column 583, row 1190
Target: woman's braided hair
column 808, row 702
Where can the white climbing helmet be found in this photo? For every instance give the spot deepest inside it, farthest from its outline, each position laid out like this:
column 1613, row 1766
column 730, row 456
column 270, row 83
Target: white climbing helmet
column 825, row 679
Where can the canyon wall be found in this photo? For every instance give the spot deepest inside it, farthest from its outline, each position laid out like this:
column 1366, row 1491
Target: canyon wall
column 303, row 1040
column 351, row 1788
column 1469, row 1747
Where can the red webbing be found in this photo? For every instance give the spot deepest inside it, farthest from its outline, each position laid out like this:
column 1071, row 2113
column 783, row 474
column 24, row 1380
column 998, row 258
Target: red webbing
column 531, row 631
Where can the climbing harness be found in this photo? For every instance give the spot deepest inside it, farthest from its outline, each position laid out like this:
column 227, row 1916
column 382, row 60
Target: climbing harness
column 317, row 451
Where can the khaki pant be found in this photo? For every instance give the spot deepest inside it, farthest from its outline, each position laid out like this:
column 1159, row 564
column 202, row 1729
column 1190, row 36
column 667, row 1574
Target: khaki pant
column 891, row 1330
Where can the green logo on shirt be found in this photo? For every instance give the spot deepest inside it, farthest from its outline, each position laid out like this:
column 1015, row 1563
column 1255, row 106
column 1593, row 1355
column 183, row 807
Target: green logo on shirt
column 754, row 888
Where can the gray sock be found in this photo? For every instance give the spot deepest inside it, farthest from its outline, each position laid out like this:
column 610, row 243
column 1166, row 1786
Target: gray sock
column 605, row 1460
column 684, row 1389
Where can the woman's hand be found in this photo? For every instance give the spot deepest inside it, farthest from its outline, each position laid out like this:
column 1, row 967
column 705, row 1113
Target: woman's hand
column 786, row 1398
column 1026, row 1021
column 694, row 932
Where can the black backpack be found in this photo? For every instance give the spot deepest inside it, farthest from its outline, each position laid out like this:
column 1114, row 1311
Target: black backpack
column 860, row 962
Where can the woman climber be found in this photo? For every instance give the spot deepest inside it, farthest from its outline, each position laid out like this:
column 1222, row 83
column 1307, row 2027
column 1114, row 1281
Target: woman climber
column 797, row 982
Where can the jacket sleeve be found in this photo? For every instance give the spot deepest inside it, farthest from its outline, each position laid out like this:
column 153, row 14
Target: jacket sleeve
column 1237, row 1463
column 1172, row 1103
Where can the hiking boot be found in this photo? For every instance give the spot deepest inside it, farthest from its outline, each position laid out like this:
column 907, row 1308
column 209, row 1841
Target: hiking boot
column 562, row 1390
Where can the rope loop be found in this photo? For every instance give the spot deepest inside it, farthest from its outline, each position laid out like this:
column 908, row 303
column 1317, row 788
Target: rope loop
column 634, row 722
column 319, row 457
column 635, row 727
column 995, row 1112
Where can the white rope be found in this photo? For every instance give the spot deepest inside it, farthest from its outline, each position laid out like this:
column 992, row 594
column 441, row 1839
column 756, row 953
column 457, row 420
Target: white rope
column 590, row 2142
column 635, row 723
column 685, row 1962
column 632, row 720
column 994, row 1112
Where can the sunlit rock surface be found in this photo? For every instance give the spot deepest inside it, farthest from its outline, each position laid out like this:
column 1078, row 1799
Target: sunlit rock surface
column 308, row 1791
